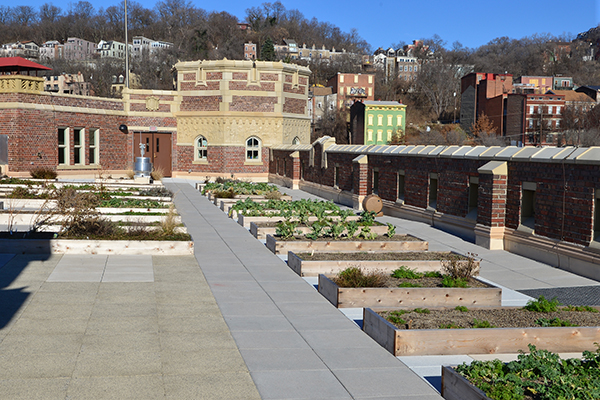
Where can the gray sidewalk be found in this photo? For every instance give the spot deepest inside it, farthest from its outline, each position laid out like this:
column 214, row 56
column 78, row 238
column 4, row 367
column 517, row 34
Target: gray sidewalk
column 295, row 343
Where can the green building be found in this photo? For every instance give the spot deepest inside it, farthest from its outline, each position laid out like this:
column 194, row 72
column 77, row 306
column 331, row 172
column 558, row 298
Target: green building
column 376, row 122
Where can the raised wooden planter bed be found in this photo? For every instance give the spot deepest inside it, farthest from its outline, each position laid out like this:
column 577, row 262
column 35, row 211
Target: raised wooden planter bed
column 245, row 221
column 334, row 246
column 343, row 297
column 115, row 247
column 457, row 387
column 314, row 268
column 261, row 232
column 412, row 342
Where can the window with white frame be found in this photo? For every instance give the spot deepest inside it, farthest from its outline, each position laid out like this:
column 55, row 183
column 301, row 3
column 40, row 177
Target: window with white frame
column 253, row 149
column 63, row 146
column 94, row 146
column 78, row 146
column 201, row 149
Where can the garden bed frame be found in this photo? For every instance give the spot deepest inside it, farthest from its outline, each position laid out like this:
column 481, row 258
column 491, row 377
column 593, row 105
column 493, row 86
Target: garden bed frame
column 314, row 268
column 334, row 246
column 413, row 342
column 111, row 247
column 344, row 297
column 261, row 232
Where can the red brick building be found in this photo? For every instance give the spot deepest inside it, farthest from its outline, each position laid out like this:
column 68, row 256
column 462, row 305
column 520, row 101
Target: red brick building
column 352, row 87
column 221, row 120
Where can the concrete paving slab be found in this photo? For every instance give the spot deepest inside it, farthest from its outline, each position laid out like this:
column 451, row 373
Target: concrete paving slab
column 201, row 323
column 36, row 366
column 27, row 345
column 293, row 385
column 117, row 364
column 358, row 358
column 218, row 360
column 211, row 386
column 148, row 387
column 382, row 382
column 5, row 258
column 258, row 323
column 38, row 388
column 336, row 338
column 122, row 342
column 275, row 359
column 195, row 341
column 111, row 324
column 269, row 340
column 51, row 326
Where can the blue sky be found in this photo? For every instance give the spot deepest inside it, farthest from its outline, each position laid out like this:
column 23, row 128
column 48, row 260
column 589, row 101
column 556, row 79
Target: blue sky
column 384, row 22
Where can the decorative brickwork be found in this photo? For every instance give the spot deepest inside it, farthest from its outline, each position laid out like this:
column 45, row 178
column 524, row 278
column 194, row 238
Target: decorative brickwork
column 210, row 85
column 253, row 104
column 201, row 103
column 294, row 106
column 264, row 86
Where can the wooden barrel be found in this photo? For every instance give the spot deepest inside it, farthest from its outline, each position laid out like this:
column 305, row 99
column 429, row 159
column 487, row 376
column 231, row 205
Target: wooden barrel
column 373, row 203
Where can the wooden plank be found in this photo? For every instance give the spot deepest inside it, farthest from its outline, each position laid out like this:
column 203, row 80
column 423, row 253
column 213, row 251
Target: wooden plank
column 328, row 289
column 280, row 246
column 457, row 387
column 495, row 340
column 379, row 329
column 314, row 268
column 260, row 232
column 418, row 297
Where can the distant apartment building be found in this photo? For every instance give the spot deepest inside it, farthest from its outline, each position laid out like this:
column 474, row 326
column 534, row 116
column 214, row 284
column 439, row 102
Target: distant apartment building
column 476, row 89
column 377, row 122
column 111, row 49
column 67, row 84
column 352, row 87
column 76, row 49
column 51, row 50
column 141, row 45
column 290, row 49
column 250, row 51
column 28, row 49
column 403, row 63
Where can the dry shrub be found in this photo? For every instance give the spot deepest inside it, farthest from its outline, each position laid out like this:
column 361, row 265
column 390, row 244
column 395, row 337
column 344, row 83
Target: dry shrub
column 79, row 214
column 224, row 194
column 169, row 223
column 459, row 268
column 130, row 174
column 157, row 173
column 273, row 195
column 43, row 173
column 355, row 277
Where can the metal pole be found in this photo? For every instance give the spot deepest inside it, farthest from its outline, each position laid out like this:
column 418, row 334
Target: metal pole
column 126, row 50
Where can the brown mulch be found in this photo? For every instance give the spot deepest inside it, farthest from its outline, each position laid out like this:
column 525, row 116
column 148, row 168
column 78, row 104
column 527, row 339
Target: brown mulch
column 381, row 256
column 499, row 318
column 430, row 282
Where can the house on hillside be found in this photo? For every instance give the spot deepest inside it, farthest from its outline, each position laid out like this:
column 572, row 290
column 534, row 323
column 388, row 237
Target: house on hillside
column 377, row 122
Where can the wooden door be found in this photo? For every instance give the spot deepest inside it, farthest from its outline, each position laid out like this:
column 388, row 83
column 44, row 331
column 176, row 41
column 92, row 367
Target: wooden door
column 157, row 147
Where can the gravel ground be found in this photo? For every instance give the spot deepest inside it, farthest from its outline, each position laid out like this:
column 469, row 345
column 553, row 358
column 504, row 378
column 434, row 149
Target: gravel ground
column 379, row 256
column 499, row 318
column 577, row 295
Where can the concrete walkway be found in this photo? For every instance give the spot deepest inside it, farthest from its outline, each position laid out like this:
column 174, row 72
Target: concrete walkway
column 233, row 322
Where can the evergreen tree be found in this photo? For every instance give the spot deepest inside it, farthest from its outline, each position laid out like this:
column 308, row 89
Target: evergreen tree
column 267, row 52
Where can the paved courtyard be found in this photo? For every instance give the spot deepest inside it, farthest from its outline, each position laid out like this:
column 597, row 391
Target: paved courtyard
column 231, row 322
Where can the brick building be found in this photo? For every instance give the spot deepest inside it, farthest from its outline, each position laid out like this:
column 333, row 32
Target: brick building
column 540, row 202
column 221, row 120
column 476, row 89
column 352, row 87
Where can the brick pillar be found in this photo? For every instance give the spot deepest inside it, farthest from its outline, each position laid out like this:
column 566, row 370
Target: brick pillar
column 360, row 168
column 295, row 157
column 491, row 205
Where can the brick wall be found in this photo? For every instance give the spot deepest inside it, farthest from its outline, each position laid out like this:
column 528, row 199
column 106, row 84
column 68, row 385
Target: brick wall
column 200, row 103
column 294, row 106
column 253, row 104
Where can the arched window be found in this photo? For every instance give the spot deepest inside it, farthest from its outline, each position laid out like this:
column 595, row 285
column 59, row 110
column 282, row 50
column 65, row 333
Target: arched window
column 296, row 140
column 253, row 149
column 200, row 147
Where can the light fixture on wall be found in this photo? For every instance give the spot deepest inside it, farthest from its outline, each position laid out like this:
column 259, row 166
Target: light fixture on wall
column 123, row 128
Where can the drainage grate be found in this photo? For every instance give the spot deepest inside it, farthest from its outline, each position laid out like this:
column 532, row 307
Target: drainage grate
column 576, row 295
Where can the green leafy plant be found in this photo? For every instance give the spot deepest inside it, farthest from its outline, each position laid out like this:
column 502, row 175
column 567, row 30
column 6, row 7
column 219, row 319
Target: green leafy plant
column 450, row 326
column 477, row 324
column 461, row 308
column 432, row 274
column 409, row 284
column 539, row 375
column 356, row 277
column 336, row 229
column 366, row 233
column 449, row 281
column 395, row 317
column 545, row 322
column 316, row 231
column 286, row 229
column 422, row 310
column 367, row 218
column 406, row 273
column 542, row 305
column 351, row 228
column 391, row 231
column 580, row 309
